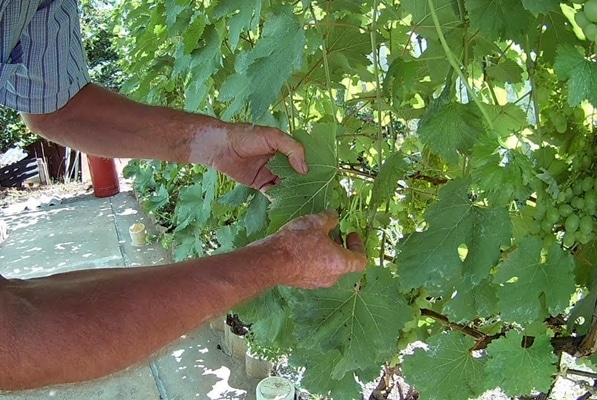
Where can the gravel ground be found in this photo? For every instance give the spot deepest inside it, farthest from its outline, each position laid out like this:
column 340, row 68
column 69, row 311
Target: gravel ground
column 37, row 195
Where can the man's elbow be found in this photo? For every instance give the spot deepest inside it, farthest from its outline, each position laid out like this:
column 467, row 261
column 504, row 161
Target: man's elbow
column 40, row 124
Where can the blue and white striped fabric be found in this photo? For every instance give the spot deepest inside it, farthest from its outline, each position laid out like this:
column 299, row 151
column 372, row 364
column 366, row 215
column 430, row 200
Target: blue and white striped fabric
column 42, row 61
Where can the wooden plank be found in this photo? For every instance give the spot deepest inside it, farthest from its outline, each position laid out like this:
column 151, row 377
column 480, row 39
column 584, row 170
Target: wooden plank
column 15, row 174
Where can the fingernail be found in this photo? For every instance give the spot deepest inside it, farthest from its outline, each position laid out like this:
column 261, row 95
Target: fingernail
column 304, row 167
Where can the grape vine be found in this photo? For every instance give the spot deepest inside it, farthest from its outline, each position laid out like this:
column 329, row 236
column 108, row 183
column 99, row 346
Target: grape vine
column 457, row 136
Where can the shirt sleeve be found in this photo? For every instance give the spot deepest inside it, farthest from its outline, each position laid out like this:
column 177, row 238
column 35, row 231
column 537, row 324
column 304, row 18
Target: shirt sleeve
column 47, row 67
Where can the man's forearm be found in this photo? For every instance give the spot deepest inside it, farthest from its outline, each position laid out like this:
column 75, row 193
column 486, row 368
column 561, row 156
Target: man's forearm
column 86, row 324
column 101, row 122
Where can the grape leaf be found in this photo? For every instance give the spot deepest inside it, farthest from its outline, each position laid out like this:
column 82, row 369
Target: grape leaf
column 347, row 46
column 541, row 6
column 452, row 130
column 270, row 319
column 386, row 182
column 193, row 33
column 499, row 19
column 446, row 10
column 298, row 194
column 471, row 301
column 270, row 63
column 194, row 202
column 190, row 245
column 580, row 73
column 237, row 196
column 361, row 320
column 506, row 71
column 529, row 278
column 262, row 70
column 157, row 200
column 447, row 370
column 256, row 216
column 502, row 174
column 318, row 369
column 204, row 62
column 508, row 119
column 244, row 16
column 555, row 30
column 518, row 370
column 431, row 258
column 187, row 206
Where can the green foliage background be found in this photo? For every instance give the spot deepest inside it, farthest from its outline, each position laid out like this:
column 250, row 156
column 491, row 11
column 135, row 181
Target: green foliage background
column 456, row 135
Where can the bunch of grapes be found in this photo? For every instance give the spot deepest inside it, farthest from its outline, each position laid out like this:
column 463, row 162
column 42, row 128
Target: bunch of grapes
column 572, row 215
column 587, row 18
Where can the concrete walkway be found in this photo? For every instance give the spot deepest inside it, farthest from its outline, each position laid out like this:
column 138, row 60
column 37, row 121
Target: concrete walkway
column 88, row 232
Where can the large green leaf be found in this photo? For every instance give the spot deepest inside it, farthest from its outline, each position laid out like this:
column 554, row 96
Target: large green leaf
column 470, row 301
column 256, row 216
column 580, row 73
column 262, row 71
column 529, row 278
column 452, row 130
column 518, row 370
column 447, row 370
column 360, row 318
column 541, row 6
column 298, row 194
column 194, row 202
column 384, row 188
column 243, row 16
column 446, row 10
column 499, row 19
column 435, row 258
column 319, row 367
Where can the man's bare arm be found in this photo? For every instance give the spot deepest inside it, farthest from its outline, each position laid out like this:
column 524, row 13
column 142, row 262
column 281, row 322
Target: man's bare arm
column 100, row 122
column 86, row 324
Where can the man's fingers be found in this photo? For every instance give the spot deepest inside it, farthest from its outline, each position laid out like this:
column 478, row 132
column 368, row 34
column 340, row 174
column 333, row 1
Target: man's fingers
column 328, row 220
column 355, row 243
column 293, row 150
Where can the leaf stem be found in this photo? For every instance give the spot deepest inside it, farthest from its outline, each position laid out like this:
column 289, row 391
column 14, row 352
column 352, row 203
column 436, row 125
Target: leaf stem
column 456, row 66
column 531, row 73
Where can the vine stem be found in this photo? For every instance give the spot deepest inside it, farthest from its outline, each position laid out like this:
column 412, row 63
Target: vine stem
column 457, row 327
column 456, row 66
column 326, row 67
column 374, row 52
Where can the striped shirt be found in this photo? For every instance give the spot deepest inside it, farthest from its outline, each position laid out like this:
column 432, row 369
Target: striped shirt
column 42, row 61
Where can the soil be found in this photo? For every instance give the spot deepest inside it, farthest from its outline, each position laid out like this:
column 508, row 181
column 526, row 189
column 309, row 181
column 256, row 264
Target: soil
column 62, row 192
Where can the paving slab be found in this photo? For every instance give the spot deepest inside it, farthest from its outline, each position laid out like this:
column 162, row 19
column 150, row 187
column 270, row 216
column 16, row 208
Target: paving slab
column 199, row 367
column 88, row 232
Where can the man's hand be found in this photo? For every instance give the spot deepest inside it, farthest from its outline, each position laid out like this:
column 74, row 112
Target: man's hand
column 311, row 258
column 244, row 151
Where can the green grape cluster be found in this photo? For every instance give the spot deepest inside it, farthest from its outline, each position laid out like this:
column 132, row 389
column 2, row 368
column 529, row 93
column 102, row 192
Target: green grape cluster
column 586, row 18
column 572, row 215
